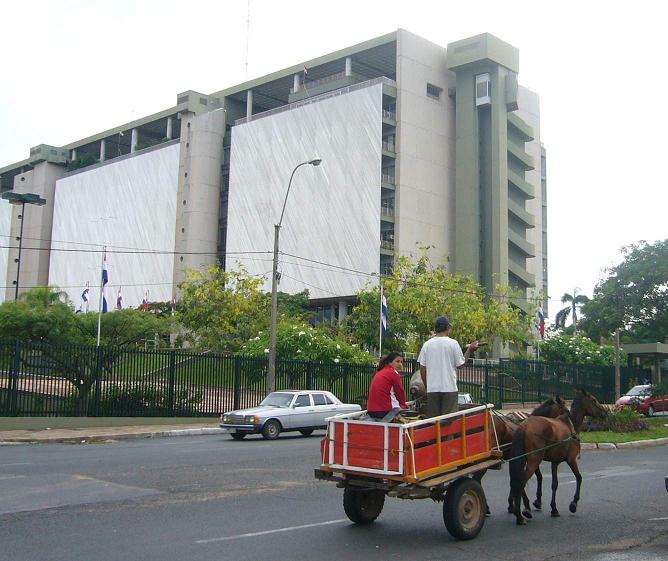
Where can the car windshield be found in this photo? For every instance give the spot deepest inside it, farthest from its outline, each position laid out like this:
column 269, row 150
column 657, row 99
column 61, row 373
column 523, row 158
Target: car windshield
column 639, row 390
column 278, row 399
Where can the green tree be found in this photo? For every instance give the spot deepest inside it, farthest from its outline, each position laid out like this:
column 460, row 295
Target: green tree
column 417, row 293
column 221, row 310
column 574, row 301
column 633, row 297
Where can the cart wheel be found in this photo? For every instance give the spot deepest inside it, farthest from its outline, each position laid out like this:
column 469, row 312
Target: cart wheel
column 464, row 509
column 362, row 507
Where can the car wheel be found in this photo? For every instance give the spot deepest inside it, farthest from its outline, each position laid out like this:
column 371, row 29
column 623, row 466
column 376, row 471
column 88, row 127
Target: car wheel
column 238, row 435
column 306, row 432
column 650, row 411
column 271, row 430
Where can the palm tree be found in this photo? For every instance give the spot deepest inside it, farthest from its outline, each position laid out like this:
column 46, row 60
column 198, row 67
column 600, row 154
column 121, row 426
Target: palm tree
column 574, row 301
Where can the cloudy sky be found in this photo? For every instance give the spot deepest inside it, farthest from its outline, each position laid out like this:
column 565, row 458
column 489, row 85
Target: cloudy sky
column 72, row 68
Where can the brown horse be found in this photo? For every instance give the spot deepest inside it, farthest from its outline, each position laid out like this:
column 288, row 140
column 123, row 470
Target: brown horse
column 552, row 440
column 504, row 429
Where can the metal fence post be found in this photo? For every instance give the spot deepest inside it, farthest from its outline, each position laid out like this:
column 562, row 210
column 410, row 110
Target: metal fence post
column 237, row 383
column 346, row 384
column 172, row 382
column 485, row 383
column 309, row 375
column 98, row 384
column 13, row 380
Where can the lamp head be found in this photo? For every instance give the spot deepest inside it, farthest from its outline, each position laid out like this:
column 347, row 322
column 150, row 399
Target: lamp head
column 315, row 161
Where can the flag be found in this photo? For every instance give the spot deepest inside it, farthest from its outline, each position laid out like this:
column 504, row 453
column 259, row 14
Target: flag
column 541, row 323
column 105, row 280
column 84, row 297
column 383, row 316
column 144, row 302
column 119, row 301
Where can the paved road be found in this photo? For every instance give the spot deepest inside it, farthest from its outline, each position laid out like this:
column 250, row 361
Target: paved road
column 210, row 498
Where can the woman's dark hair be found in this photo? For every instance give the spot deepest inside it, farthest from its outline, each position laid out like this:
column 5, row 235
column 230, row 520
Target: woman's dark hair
column 389, row 357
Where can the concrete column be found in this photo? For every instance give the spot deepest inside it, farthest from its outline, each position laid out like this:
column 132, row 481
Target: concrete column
column 296, row 83
column 169, row 128
column 198, row 195
column 349, row 66
column 343, row 310
column 133, row 141
column 249, row 104
column 103, row 150
column 73, row 154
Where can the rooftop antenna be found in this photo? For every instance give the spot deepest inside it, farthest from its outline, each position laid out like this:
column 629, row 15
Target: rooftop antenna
column 247, row 35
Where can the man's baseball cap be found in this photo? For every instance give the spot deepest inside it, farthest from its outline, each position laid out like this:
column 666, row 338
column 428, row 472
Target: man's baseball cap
column 442, row 323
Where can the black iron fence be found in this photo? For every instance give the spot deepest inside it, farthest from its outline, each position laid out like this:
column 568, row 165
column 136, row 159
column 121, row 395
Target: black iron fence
column 69, row 380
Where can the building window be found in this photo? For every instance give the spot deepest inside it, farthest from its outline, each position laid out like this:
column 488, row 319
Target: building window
column 434, row 92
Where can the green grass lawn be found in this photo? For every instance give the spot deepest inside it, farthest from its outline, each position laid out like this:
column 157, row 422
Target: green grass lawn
column 658, row 429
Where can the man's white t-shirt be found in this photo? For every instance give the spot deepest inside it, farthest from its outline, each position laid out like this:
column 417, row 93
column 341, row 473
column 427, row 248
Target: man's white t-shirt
column 441, row 356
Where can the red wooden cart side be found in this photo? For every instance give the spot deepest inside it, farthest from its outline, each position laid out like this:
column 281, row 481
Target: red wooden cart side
column 410, row 452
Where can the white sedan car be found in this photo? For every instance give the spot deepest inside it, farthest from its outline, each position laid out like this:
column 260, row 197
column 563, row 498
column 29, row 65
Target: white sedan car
column 286, row 410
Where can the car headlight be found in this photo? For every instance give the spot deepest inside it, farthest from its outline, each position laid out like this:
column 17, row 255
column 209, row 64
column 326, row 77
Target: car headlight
column 226, row 418
column 252, row 419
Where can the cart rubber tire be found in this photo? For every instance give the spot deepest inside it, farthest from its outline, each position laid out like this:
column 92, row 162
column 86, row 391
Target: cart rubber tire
column 238, row 435
column 271, row 430
column 361, row 506
column 464, row 509
column 306, row 432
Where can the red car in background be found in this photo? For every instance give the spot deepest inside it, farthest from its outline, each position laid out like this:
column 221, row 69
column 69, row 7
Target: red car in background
column 641, row 399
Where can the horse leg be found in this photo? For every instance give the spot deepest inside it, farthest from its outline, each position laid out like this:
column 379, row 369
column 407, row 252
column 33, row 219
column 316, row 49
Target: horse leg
column 573, row 464
column 538, row 503
column 555, row 484
column 478, row 476
column 520, row 492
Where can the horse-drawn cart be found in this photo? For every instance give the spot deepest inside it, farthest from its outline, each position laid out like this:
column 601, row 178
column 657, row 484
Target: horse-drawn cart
column 441, row 458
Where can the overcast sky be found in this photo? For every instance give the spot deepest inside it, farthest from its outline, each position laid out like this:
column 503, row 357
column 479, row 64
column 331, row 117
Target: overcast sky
column 73, row 68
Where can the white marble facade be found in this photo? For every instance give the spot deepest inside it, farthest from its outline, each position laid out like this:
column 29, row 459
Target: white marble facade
column 129, row 206
column 332, row 215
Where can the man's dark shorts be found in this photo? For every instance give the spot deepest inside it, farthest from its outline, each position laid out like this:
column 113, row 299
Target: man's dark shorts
column 440, row 403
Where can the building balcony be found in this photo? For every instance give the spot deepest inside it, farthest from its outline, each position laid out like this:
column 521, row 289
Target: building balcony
column 387, row 245
column 388, row 148
column 323, row 85
column 521, row 184
column 387, row 180
column 390, row 116
column 387, row 211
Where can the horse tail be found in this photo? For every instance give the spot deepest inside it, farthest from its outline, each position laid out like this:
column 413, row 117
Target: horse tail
column 517, row 465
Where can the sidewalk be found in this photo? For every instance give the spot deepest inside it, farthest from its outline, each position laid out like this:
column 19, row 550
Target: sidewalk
column 105, row 434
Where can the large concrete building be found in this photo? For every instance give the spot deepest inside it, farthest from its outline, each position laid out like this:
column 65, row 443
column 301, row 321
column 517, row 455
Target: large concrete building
column 420, row 145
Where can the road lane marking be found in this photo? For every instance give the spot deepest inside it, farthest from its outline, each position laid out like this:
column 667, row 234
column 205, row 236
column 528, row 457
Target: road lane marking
column 655, row 519
column 16, row 464
column 266, row 532
column 11, row 476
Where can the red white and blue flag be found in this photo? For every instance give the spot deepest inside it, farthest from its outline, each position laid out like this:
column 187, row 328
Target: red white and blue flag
column 144, row 302
column 383, row 316
column 105, row 280
column 541, row 323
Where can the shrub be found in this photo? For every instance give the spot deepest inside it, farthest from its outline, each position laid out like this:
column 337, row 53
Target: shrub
column 619, row 420
column 578, row 350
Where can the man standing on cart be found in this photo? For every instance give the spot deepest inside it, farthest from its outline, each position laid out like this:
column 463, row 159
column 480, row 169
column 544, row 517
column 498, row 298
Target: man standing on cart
column 439, row 359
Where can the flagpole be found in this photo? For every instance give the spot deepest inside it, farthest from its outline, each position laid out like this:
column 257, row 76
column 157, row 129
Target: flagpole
column 99, row 305
column 380, row 318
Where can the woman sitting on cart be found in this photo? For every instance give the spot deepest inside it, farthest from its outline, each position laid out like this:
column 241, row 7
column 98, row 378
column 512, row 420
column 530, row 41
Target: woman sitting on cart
column 387, row 391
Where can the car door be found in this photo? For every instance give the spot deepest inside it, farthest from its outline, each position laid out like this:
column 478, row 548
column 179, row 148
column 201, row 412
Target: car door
column 302, row 412
column 323, row 408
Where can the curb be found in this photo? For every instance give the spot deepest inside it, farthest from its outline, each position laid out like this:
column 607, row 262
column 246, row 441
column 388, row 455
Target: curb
column 112, row 437
column 624, row 445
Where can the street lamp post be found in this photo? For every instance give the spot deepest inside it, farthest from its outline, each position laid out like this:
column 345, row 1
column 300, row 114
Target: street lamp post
column 21, row 199
column 271, row 369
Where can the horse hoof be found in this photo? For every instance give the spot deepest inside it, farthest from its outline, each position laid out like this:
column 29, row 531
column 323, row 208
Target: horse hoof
column 527, row 514
column 510, row 510
column 555, row 514
column 573, row 507
column 538, row 505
